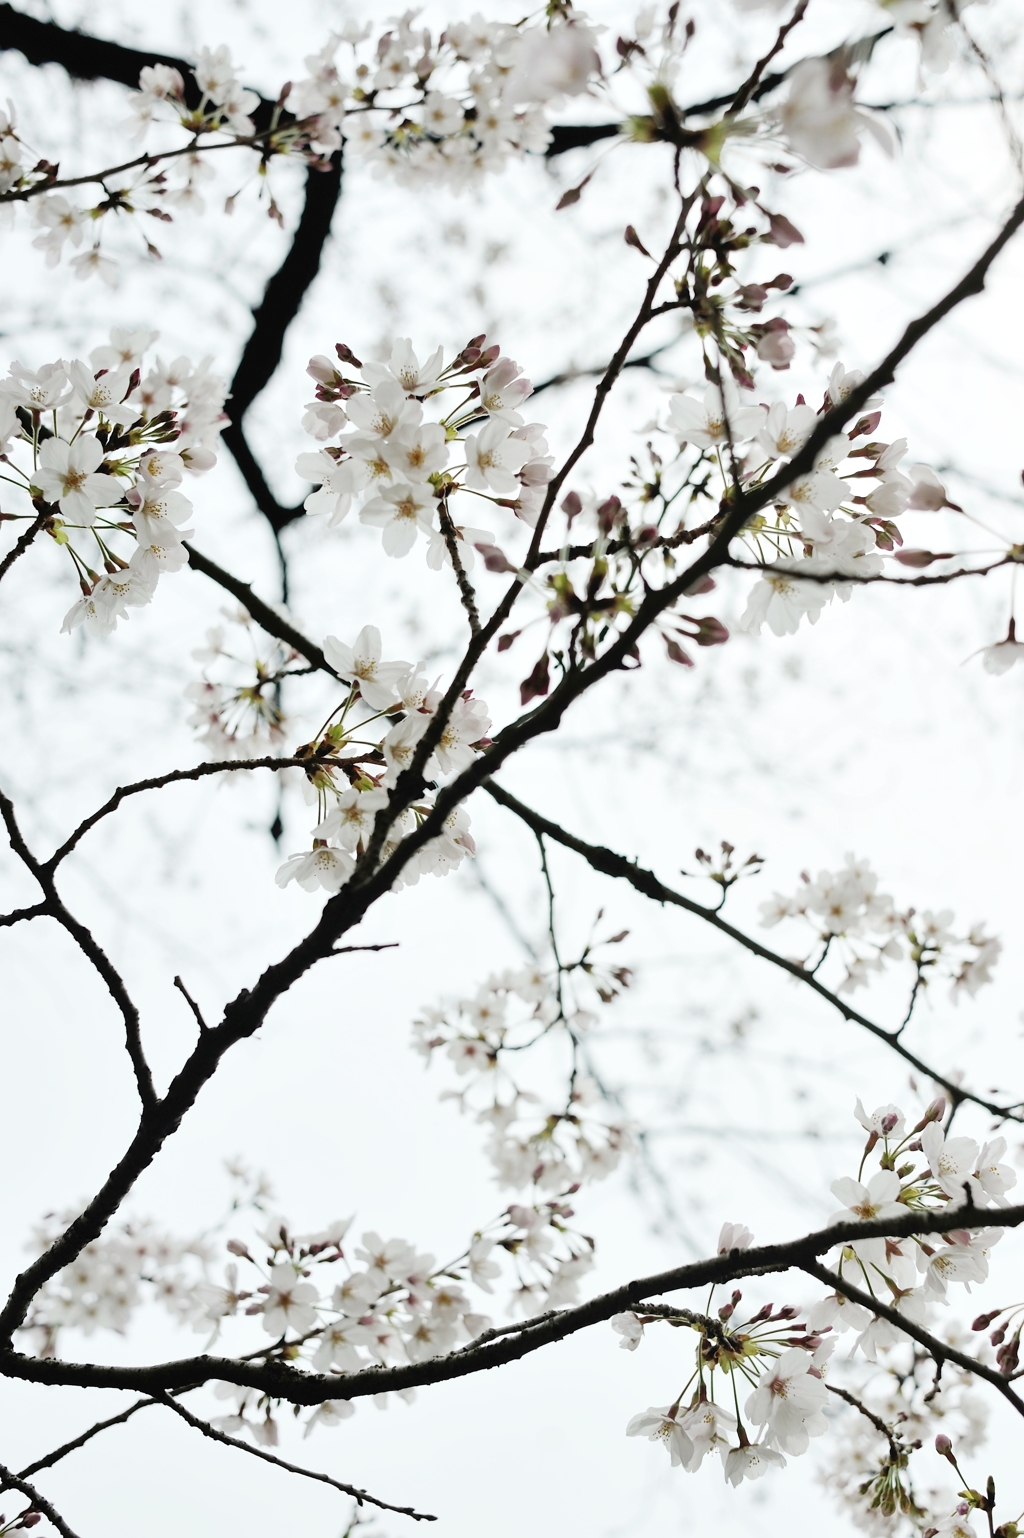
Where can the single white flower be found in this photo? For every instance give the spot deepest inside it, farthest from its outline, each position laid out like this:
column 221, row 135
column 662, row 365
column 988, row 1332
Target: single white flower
column 360, row 664
column 291, row 1304
column 494, row 459
column 662, row 1426
column 67, row 475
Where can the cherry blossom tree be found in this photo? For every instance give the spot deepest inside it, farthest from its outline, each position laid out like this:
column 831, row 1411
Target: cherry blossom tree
column 735, row 498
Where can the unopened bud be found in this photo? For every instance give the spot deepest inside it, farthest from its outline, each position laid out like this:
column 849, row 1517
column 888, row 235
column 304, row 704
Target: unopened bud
column 944, row 1448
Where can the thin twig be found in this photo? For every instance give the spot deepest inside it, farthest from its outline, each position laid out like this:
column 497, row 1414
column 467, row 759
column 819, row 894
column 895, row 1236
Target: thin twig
column 361, row 1497
column 193, row 1006
column 608, row 863
column 86, row 942
column 750, row 85
column 876, row 1420
column 157, row 782
column 49, row 1459
column 467, row 592
column 11, row 1481
column 938, row 1349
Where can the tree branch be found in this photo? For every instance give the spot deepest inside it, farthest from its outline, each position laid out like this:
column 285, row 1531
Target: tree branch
column 173, row 776
column 361, row 1497
column 55, row 908
column 263, row 613
column 11, row 1481
column 22, row 543
column 646, row 882
column 280, row 1381
column 936, row 1348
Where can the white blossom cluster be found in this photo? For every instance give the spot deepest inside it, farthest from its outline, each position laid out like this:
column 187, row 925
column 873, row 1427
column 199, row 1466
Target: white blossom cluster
column 448, row 109
column 484, row 1037
column 824, row 524
column 847, row 912
column 112, row 1278
column 394, row 703
column 782, row 1362
column 400, row 468
column 384, row 1303
column 336, row 1309
column 100, row 450
column 451, row 108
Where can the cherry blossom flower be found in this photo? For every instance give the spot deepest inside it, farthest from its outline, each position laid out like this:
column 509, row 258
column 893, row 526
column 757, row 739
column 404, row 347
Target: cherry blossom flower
column 705, row 423
column 404, row 366
column 819, row 119
column 951, row 1160
column 661, row 1425
column 291, row 1304
column 502, row 389
column 553, row 63
column 709, row 1427
column 789, row 1400
column 734, row 1236
column 322, row 867
column 351, row 818
column 786, row 430
column 781, row 601
column 751, row 1461
column 630, row 1328
column 361, row 664
column 494, row 458
column 67, row 474
column 1000, row 657
column 339, row 482
column 401, row 512
column 888, row 1121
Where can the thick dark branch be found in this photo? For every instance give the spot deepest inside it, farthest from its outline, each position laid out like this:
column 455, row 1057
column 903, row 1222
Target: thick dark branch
column 619, row 868
column 282, row 299
column 279, row 1380
column 94, row 58
column 22, row 543
column 85, row 941
column 90, row 58
column 286, row 289
column 12, row 1481
column 361, row 1497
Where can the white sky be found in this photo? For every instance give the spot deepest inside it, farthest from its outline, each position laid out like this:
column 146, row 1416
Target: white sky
column 869, row 732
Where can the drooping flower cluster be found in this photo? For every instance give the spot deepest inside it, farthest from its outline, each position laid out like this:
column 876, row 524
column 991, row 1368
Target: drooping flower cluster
column 399, row 467
column 100, row 451
column 484, row 1037
column 350, row 774
column 850, row 916
column 867, row 1468
column 783, row 1362
column 240, row 716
